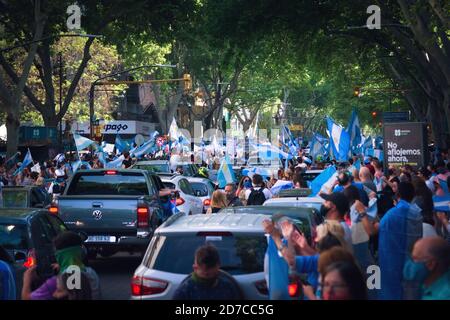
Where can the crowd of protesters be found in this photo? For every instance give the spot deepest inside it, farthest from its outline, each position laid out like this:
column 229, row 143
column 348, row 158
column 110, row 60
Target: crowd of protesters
column 371, row 218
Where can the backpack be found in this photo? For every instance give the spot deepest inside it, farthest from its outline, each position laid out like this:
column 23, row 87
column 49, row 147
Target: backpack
column 256, row 197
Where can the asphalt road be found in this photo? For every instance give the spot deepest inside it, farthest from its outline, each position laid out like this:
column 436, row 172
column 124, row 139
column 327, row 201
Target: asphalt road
column 115, row 274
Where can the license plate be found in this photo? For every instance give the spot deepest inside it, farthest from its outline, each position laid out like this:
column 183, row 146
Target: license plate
column 101, row 239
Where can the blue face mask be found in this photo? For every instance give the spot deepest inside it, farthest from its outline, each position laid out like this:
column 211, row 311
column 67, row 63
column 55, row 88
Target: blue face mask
column 247, row 184
column 415, row 271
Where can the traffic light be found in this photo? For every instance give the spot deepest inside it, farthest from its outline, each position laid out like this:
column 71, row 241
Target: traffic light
column 187, row 82
column 374, row 114
column 357, row 92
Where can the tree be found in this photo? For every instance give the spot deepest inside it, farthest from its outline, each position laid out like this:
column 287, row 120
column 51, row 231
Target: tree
column 114, row 19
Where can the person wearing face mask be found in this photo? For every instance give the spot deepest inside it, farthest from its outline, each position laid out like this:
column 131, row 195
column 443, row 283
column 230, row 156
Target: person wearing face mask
column 430, row 268
column 399, row 229
column 69, row 253
column 335, row 207
column 233, row 200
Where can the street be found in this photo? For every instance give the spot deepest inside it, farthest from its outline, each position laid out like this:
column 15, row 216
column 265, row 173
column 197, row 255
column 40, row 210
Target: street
column 115, row 274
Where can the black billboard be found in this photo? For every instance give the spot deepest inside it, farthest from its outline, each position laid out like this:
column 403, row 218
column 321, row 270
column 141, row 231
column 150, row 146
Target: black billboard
column 405, row 143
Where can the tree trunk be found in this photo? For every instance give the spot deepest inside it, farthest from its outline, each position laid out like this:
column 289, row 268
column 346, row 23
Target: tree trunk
column 438, row 131
column 12, row 131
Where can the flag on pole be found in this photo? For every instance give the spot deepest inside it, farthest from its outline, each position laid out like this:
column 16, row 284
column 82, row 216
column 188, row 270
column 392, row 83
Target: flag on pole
column 225, row 174
column 354, row 130
column 82, row 142
column 26, row 161
column 339, row 140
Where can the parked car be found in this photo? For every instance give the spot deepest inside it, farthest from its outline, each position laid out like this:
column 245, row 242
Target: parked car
column 187, row 201
column 203, row 189
column 307, row 219
column 239, row 239
column 24, row 197
column 154, row 166
column 27, row 236
column 297, row 202
column 310, row 175
column 165, row 166
column 119, row 209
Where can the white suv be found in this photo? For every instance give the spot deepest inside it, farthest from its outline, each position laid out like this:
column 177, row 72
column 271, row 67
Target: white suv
column 239, row 238
column 187, row 202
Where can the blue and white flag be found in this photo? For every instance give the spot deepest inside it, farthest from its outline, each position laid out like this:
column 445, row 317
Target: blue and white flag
column 250, row 172
column 77, row 165
column 354, row 130
column 378, row 154
column 339, row 140
column 442, row 203
column 122, row 145
column 225, row 174
column 317, row 148
column 117, row 163
column 26, row 161
column 281, row 185
column 148, row 147
column 278, row 273
column 324, row 180
column 81, row 142
column 368, row 143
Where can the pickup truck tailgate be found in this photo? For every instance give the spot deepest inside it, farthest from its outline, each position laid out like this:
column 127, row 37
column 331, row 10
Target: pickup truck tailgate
column 100, row 214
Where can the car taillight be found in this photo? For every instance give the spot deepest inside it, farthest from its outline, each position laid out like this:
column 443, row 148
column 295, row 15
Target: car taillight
column 294, row 289
column 111, row 172
column 207, row 202
column 30, row 262
column 53, row 209
column 179, row 201
column 261, row 286
column 141, row 286
column 143, row 214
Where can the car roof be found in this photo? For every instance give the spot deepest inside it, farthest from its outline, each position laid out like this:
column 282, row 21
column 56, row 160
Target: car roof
column 295, row 199
column 169, row 176
column 181, row 223
column 197, row 179
column 18, row 214
column 314, row 171
column 150, row 162
column 269, row 210
column 113, row 169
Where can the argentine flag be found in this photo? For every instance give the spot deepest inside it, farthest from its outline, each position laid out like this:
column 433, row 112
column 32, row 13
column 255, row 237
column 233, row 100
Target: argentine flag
column 121, row 145
column 339, row 140
column 26, row 161
column 281, row 185
column 324, row 180
column 117, row 163
column 225, row 174
column 81, row 142
column 354, row 130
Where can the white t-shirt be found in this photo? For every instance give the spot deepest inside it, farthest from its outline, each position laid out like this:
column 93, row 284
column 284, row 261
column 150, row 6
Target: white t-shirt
column 428, row 230
column 266, row 192
column 347, row 234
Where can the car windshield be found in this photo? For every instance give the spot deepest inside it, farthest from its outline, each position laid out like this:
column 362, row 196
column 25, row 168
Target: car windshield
column 154, row 168
column 239, row 254
column 13, row 236
column 99, row 183
column 200, row 189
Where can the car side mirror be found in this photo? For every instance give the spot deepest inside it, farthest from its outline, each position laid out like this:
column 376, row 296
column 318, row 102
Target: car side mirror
column 20, row 256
